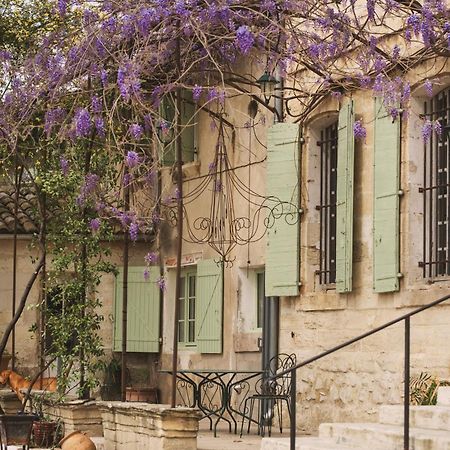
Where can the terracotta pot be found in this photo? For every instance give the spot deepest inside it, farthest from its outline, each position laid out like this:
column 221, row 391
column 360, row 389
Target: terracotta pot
column 148, row 395
column 76, row 441
column 44, row 433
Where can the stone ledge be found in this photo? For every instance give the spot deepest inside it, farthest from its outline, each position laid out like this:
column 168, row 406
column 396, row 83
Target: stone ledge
column 144, row 425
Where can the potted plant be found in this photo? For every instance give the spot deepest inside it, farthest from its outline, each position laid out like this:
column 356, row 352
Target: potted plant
column 45, row 430
column 110, row 389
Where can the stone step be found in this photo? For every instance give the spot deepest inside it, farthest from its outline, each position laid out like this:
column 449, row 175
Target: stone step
column 305, row 443
column 443, row 396
column 430, row 417
column 384, row 437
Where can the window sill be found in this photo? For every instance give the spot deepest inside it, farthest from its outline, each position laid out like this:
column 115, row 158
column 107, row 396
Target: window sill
column 190, row 170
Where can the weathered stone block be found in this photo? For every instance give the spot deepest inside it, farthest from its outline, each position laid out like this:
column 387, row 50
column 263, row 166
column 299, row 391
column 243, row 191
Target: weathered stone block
column 142, row 425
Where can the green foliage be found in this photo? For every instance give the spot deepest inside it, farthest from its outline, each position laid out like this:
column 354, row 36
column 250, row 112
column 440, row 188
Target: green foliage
column 424, row 388
column 23, row 23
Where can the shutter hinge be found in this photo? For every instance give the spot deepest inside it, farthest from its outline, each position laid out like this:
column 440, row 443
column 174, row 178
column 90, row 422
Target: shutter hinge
column 160, row 340
column 401, row 193
column 399, row 275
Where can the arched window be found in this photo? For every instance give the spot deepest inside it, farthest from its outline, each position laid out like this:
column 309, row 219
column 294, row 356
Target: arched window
column 435, row 189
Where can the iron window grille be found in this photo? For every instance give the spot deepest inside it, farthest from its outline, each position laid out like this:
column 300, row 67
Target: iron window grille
column 435, row 190
column 327, row 208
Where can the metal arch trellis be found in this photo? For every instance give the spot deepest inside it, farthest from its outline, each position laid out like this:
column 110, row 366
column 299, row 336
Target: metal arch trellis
column 222, row 229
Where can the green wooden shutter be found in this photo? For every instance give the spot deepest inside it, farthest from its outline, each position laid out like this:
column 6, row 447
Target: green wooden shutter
column 386, row 201
column 188, row 120
column 283, row 238
column 143, row 311
column 344, row 209
column 167, row 111
column 209, row 303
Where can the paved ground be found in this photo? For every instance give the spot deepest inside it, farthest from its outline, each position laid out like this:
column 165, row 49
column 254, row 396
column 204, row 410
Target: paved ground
column 229, row 441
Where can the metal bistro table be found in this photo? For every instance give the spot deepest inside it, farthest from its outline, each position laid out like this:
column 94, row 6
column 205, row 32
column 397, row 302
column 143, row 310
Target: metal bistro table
column 211, row 390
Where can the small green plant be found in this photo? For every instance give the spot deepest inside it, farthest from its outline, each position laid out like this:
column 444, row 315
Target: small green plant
column 424, row 388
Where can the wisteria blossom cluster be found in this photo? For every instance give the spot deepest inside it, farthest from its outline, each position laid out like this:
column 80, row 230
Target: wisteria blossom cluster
column 103, row 89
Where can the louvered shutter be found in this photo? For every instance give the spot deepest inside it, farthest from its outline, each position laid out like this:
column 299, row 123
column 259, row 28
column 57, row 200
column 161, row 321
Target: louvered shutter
column 283, row 237
column 344, row 209
column 167, row 112
column 386, row 201
column 188, row 120
column 209, row 303
column 143, row 311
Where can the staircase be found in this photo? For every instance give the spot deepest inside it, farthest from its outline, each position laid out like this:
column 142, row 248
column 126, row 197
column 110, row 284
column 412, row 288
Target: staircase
column 429, row 430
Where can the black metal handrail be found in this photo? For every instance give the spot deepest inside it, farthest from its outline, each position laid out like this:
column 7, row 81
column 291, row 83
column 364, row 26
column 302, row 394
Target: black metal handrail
column 406, row 318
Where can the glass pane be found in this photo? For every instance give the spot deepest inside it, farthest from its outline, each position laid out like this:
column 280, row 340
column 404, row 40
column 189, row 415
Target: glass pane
column 192, row 286
column 181, row 309
column 192, row 308
column 181, row 331
column 260, row 299
column 191, row 337
column 182, row 287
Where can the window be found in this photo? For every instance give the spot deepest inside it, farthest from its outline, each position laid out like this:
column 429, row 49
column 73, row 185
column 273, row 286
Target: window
column 435, row 190
column 327, row 207
column 188, row 120
column 260, row 280
column 186, row 316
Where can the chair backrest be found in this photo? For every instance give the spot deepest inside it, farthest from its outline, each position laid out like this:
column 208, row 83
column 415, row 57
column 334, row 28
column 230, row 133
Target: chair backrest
column 280, row 386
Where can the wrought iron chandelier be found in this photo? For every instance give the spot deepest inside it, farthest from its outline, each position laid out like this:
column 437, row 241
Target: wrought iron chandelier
column 223, row 229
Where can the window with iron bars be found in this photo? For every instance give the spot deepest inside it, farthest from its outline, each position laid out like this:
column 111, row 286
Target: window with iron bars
column 435, row 190
column 327, row 207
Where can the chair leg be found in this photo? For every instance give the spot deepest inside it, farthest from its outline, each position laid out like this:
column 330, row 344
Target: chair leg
column 280, row 415
column 243, row 417
column 252, row 404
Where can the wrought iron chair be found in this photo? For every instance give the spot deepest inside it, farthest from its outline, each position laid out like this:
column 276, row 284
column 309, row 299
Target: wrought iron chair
column 270, row 395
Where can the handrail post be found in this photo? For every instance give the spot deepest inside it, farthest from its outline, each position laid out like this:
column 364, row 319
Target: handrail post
column 293, row 417
column 406, row 384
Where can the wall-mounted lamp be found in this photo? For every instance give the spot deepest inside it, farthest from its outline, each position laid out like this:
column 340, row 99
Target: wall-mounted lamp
column 267, row 84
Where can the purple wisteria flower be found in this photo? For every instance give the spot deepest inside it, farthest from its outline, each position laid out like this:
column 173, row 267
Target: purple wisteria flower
column 196, row 93
column 156, row 218
column 64, row 165
column 96, row 104
column 437, row 127
column 127, row 179
column 244, row 39
column 428, row 85
column 134, row 231
column 94, row 224
column 358, row 130
column 62, row 7
column 100, row 126
column 161, row 283
column 427, row 129
column 218, row 186
column 132, row 159
column 128, row 81
column 104, row 77
column 53, row 117
column 151, row 257
column 82, row 122
column 146, row 274
column 91, row 181
column 136, row 131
